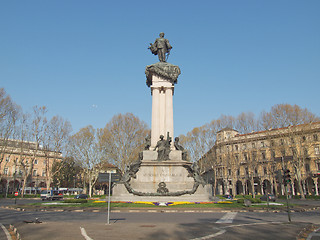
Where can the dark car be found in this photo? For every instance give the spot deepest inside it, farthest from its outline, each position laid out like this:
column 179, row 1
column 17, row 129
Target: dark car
column 81, row 196
column 271, row 197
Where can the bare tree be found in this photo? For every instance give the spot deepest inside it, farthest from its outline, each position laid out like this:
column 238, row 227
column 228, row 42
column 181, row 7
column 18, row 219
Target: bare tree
column 246, row 123
column 35, row 131
column 9, row 115
column 284, row 115
column 201, row 139
column 123, row 138
column 56, row 138
column 86, row 148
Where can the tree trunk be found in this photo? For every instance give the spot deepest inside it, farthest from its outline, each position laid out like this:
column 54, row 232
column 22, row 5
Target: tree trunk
column 252, row 187
column 298, row 175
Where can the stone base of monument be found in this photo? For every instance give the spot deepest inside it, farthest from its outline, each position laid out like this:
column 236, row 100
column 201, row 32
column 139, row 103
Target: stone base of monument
column 173, row 172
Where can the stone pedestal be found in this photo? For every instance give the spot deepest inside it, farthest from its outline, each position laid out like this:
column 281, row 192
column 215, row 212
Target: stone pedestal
column 174, row 173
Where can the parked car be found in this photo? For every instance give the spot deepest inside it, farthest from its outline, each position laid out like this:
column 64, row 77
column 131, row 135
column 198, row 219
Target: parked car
column 271, row 197
column 81, row 196
column 51, row 195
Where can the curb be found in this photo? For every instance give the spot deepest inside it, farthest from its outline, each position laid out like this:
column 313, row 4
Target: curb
column 165, row 210
column 15, row 232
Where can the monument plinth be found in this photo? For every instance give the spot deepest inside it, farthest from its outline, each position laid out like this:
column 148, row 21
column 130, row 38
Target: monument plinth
column 163, row 172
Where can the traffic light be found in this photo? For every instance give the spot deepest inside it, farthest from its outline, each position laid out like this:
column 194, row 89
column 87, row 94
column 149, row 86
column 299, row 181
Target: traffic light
column 287, row 177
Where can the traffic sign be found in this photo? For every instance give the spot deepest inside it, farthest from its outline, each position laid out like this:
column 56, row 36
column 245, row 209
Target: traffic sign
column 16, row 194
column 104, row 177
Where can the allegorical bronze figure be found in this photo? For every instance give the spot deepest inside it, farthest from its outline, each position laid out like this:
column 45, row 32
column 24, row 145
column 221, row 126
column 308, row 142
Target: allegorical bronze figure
column 163, row 148
column 161, row 47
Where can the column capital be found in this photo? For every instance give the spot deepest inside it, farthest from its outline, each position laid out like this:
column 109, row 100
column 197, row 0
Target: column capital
column 162, row 88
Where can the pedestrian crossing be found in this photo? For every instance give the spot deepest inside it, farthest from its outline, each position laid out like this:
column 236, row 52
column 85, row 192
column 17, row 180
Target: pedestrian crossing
column 227, row 218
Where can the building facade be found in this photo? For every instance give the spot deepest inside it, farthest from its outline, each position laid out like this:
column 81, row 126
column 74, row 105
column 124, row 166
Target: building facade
column 255, row 162
column 19, row 158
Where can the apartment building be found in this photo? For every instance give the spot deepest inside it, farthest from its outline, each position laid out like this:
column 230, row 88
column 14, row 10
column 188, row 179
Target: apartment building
column 243, row 163
column 19, row 157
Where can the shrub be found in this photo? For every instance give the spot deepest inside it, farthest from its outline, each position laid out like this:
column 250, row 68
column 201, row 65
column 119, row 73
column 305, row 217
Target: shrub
column 75, row 201
column 252, row 200
column 255, row 200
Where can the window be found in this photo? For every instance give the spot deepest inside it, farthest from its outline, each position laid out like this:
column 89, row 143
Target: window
column 229, row 172
column 305, row 151
column 281, row 142
column 316, row 150
column 292, row 140
column 236, row 147
column 254, row 155
column 283, row 152
column 272, row 143
column 247, row 171
column 227, row 148
column 315, row 137
column 253, row 145
column 245, row 156
column 273, row 154
column 34, row 173
column 6, row 171
column 43, row 173
column 263, row 155
column 36, row 161
column 238, row 171
column 256, row 171
column 230, row 182
column 307, row 166
column 294, row 151
column 236, row 157
column 303, row 138
column 244, row 146
column 265, row 171
column 7, row 159
column 318, row 164
column 262, row 144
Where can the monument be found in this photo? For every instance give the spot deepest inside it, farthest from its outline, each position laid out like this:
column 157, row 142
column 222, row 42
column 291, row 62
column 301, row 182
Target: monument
column 162, row 173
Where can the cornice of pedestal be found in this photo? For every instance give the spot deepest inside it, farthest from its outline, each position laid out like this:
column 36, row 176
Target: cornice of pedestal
column 163, row 70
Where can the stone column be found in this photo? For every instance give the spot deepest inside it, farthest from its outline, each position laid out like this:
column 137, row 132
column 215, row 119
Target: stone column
column 155, row 130
column 293, row 190
column 169, row 113
column 315, row 180
column 162, row 110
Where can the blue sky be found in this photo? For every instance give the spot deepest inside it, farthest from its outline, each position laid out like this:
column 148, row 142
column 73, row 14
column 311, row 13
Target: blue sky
column 85, row 60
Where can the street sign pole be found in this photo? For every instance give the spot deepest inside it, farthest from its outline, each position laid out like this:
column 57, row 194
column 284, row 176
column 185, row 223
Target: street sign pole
column 108, row 221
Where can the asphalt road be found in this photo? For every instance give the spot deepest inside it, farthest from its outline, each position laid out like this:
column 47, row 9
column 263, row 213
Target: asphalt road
column 157, row 225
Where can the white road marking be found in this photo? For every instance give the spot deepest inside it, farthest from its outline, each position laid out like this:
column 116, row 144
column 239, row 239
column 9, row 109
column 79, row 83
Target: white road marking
column 84, row 234
column 313, row 234
column 6, row 231
column 227, row 218
column 222, row 231
column 249, row 224
column 210, row 236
